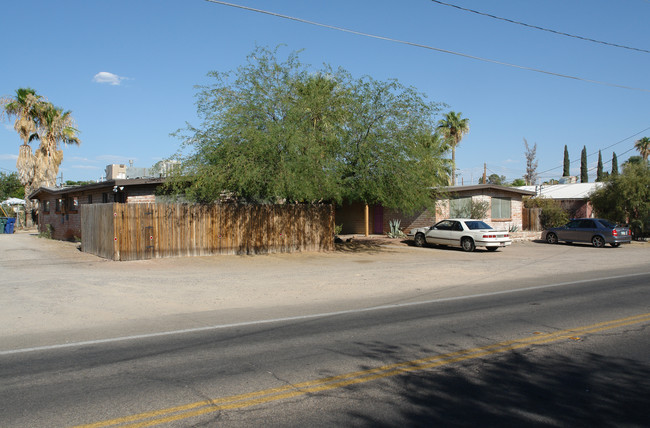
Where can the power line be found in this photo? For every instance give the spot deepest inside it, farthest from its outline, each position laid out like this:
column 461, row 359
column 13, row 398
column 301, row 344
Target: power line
column 611, row 145
column 418, row 45
column 540, row 28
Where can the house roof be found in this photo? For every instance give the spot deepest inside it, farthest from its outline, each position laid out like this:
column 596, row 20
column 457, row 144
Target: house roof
column 94, row 186
column 474, row 187
column 565, row 191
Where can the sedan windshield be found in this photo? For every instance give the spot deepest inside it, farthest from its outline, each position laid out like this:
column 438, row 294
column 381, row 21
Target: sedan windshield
column 475, row 225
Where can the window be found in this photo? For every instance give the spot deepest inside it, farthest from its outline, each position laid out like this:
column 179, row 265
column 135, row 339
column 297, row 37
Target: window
column 444, row 225
column 476, row 225
column 587, row 224
column 73, row 203
column 501, row 208
column 573, row 224
column 460, row 207
column 90, row 199
column 58, row 206
column 46, row 206
column 104, row 198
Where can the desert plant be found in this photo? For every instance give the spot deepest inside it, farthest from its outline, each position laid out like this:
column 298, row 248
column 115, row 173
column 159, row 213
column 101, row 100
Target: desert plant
column 395, row 231
column 47, row 233
column 338, row 228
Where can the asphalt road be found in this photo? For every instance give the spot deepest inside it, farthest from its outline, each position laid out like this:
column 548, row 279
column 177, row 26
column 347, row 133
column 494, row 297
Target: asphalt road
column 532, row 353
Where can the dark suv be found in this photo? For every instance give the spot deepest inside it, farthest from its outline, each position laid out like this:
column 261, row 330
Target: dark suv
column 595, row 230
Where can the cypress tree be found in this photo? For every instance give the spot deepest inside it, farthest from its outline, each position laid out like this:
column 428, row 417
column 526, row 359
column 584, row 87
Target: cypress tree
column 584, row 176
column 599, row 171
column 567, row 164
column 614, row 164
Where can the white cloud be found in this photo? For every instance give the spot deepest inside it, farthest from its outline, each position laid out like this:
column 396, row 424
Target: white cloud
column 8, row 157
column 8, row 127
column 85, row 167
column 115, row 159
column 80, row 159
column 110, row 78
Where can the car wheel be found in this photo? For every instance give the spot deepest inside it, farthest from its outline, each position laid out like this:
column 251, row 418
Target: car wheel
column 598, row 241
column 615, row 244
column 492, row 248
column 468, row 244
column 420, row 240
column 551, row 238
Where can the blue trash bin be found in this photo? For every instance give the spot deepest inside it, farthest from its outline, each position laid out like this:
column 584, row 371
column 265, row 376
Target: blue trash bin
column 9, row 228
column 3, row 224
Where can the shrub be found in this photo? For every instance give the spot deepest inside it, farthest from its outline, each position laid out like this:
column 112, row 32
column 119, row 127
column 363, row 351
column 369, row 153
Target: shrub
column 47, row 233
column 552, row 214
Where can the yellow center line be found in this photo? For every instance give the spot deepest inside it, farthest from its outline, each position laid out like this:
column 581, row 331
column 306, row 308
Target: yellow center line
column 318, row 385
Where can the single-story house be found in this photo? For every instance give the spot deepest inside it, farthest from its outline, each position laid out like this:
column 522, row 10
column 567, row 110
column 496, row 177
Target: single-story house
column 574, row 197
column 504, row 210
column 58, row 207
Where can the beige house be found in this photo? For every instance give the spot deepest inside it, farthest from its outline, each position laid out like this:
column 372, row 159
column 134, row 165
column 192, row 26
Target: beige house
column 504, row 210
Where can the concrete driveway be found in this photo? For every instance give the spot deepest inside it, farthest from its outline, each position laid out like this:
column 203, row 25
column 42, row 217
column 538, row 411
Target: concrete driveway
column 52, row 293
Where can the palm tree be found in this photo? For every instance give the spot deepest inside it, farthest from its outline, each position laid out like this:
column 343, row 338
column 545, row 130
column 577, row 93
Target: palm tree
column 57, row 127
column 24, row 107
column 643, row 146
column 453, row 128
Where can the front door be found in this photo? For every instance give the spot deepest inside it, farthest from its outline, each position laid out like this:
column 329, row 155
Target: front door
column 378, row 220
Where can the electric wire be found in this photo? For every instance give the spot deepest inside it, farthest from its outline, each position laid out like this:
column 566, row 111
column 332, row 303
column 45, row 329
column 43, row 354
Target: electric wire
column 539, row 174
column 419, row 45
column 539, row 28
column 591, row 154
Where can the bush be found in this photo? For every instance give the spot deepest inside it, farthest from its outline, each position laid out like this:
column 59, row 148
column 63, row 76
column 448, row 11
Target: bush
column 47, row 233
column 552, row 215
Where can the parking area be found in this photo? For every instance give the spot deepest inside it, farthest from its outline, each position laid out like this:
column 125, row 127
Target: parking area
column 50, row 286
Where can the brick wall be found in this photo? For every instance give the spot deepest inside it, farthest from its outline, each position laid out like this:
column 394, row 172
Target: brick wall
column 66, row 222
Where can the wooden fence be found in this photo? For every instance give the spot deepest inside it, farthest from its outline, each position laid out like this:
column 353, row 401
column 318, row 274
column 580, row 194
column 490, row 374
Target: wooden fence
column 530, row 219
column 148, row 230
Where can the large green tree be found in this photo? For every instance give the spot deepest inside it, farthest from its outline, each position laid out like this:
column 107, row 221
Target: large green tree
column 625, row 198
column 275, row 130
column 10, row 186
column 614, row 164
column 453, row 128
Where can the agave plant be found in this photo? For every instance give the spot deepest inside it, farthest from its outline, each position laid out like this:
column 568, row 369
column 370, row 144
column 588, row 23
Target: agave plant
column 395, row 231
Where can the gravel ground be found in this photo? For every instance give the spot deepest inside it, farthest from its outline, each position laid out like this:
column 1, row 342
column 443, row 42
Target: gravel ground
column 52, row 287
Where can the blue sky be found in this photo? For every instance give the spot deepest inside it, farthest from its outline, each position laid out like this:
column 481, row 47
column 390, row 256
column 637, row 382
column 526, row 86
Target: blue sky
column 153, row 52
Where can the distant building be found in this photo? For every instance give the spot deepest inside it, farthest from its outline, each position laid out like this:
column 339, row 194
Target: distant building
column 59, row 207
column 574, row 197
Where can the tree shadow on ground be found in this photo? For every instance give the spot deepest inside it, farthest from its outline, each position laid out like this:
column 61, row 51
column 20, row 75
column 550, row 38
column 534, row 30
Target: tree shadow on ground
column 516, row 390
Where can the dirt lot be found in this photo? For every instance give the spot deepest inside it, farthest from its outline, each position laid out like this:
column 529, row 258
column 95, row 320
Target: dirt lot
column 51, row 287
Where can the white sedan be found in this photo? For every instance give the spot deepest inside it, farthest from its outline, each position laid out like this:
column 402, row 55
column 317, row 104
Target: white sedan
column 465, row 233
